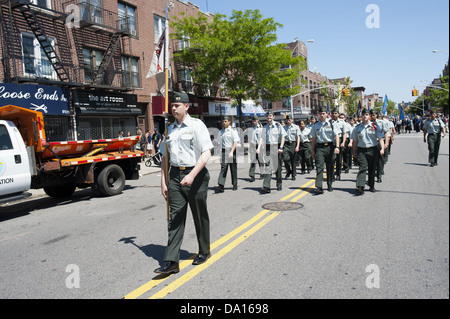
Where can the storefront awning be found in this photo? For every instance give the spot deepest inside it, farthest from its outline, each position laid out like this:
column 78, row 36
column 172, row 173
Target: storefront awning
column 249, row 108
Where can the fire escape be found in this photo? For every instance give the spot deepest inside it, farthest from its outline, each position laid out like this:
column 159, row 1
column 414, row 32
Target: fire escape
column 37, row 16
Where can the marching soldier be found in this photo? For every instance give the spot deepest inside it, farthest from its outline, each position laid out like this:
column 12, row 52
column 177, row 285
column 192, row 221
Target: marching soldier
column 380, row 165
column 368, row 145
column 229, row 137
column 254, row 134
column 433, row 127
column 189, row 149
column 324, row 144
column 342, row 139
column 273, row 139
column 291, row 147
column 305, row 157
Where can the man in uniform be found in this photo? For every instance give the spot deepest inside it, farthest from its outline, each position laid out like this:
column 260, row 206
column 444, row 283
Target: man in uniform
column 291, row 147
column 324, row 145
column 433, row 127
column 384, row 129
column 189, row 149
column 273, row 138
column 305, row 157
column 254, row 134
column 229, row 138
column 342, row 138
column 368, row 145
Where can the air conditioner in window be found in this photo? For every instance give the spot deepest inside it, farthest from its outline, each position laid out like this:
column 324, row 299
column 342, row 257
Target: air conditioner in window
column 98, row 20
column 133, row 32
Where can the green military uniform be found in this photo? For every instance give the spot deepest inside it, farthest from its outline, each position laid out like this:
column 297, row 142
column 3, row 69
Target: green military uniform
column 186, row 142
column 254, row 134
column 384, row 129
column 273, row 135
column 434, row 128
column 346, row 151
column 339, row 157
column 291, row 142
column 366, row 146
column 228, row 137
column 304, row 153
column 324, row 134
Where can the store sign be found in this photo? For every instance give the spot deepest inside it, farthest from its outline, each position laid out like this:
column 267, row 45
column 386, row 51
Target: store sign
column 221, row 108
column 49, row 100
column 105, row 102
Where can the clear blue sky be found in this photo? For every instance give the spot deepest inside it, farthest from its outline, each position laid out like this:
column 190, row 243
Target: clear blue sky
column 391, row 59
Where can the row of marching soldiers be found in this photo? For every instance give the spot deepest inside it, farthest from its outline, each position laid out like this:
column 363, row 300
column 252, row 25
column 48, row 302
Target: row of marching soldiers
column 329, row 142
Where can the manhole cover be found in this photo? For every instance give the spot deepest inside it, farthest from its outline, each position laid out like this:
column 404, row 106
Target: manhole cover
column 282, row 206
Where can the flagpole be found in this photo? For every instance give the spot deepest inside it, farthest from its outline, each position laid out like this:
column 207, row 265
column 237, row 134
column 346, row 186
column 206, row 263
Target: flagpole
column 166, row 102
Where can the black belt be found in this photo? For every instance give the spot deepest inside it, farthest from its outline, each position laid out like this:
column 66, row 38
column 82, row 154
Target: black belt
column 182, row 168
column 366, row 148
column 324, row 144
column 289, row 142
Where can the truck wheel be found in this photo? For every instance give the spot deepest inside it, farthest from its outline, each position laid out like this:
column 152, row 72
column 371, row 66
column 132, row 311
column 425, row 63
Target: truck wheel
column 111, row 180
column 60, row 191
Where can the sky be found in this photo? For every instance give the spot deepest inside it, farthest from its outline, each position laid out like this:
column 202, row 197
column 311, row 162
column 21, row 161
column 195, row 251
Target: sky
column 390, row 58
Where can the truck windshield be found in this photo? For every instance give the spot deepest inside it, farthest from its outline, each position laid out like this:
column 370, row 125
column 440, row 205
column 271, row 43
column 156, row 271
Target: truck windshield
column 5, row 140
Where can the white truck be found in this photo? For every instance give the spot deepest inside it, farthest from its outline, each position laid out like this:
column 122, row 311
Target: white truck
column 27, row 161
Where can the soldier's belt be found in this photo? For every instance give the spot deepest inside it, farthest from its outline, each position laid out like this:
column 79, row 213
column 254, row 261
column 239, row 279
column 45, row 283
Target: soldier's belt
column 182, row 168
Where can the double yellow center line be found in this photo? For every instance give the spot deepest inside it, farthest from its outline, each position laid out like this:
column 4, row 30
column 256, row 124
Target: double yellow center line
column 294, row 196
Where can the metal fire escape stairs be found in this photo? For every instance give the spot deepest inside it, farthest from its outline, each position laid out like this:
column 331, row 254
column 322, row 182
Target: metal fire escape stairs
column 43, row 40
column 107, row 57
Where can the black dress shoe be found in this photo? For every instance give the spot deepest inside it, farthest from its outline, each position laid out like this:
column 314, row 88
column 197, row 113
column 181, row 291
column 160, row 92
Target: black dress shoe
column 372, row 189
column 219, row 189
column 265, row 190
column 201, row 258
column 432, row 164
column 379, row 180
column 252, row 179
column 318, row 191
column 293, row 178
column 330, row 188
column 287, row 175
column 168, row 268
column 347, row 171
column 235, row 187
column 359, row 190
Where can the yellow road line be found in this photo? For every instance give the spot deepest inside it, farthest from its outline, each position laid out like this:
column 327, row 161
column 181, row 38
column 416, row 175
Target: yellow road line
column 159, row 279
column 191, row 274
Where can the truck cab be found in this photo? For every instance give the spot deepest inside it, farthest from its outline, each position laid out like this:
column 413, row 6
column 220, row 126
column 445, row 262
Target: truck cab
column 15, row 174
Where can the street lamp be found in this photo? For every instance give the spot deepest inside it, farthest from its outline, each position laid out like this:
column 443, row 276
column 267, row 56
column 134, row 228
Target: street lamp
column 436, row 51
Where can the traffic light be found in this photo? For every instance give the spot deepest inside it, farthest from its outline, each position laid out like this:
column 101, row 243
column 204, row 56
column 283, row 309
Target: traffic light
column 415, row 92
column 346, row 92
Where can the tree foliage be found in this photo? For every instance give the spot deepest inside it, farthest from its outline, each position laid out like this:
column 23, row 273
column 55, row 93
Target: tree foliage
column 239, row 53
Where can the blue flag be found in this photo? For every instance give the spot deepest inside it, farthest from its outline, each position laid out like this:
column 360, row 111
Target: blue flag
column 358, row 112
column 385, row 104
column 402, row 111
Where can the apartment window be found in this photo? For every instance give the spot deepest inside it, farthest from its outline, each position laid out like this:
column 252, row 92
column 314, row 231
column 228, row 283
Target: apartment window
column 35, row 62
column 183, row 43
column 186, row 80
column 91, row 60
column 130, row 72
column 91, row 10
column 159, row 26
column 127, row 18
column 42, row 3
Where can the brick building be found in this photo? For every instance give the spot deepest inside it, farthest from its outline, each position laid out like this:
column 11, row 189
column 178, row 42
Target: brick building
column 83, row 63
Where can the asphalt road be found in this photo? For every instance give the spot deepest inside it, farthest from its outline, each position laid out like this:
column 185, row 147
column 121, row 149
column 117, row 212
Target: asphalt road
column 390, row 244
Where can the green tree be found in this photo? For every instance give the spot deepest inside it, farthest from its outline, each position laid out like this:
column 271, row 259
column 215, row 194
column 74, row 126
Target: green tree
column 240, row 54
column 439, row 97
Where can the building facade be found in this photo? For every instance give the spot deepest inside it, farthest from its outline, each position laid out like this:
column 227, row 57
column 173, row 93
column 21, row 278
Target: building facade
column 83, row 63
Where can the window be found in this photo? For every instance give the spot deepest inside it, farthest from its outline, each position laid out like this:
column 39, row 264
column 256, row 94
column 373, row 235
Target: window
column 35, row 62
column 186, row 80
column 91, row 10
column 184, row 43
column 5, row 140
column 130, row 72
column 159, row 26
column 127, row 18
column 92, row 59
column 47, row 4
